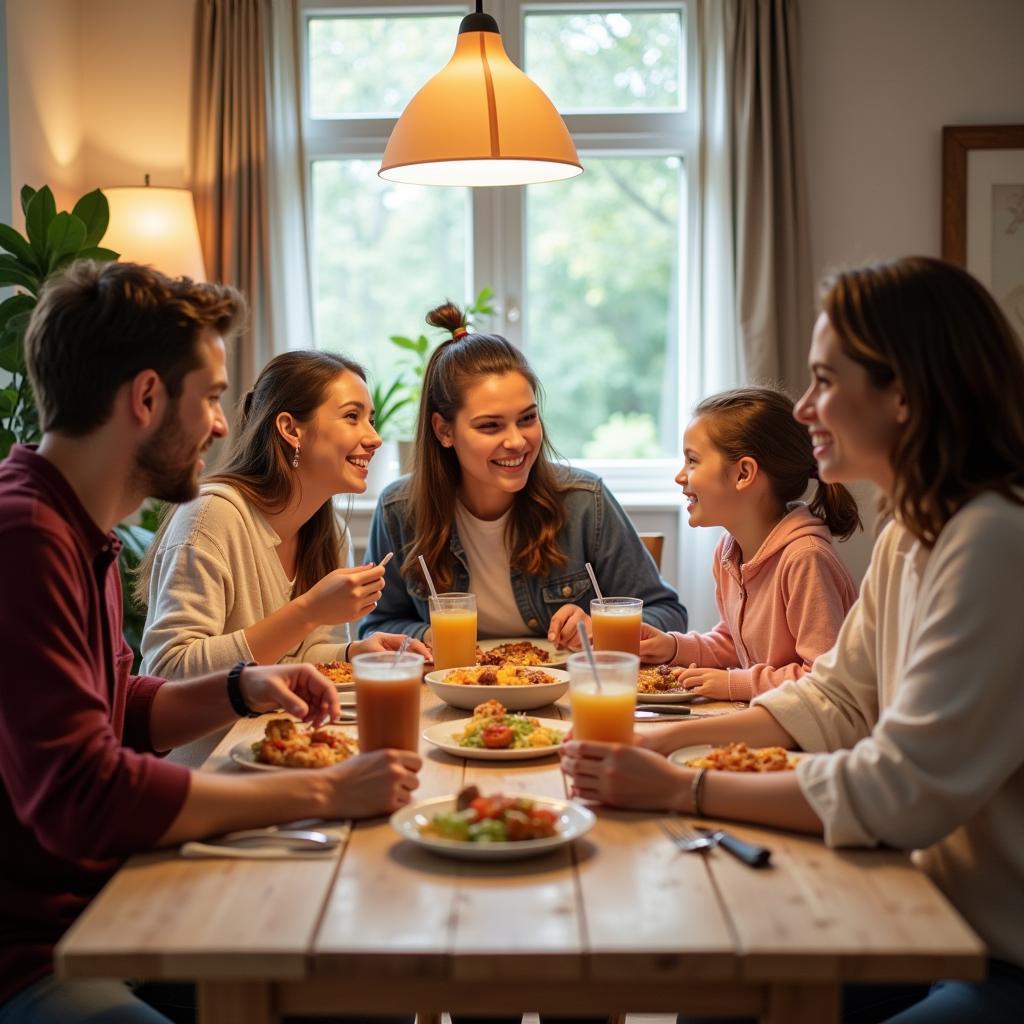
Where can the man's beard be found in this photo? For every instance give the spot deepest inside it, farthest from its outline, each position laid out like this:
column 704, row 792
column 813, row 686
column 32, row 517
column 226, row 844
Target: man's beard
column 164, row 469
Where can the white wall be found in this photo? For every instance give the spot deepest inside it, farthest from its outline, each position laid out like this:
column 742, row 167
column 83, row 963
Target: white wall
column 880, row 79
column 99, row 93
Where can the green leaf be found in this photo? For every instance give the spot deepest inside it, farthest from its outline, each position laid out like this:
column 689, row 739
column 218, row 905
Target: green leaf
column 10, row 353
column 422, row 344
column 12, row 241
column 65, row 236
column 7, row 441
column 8, row 396
column 402, row 342
column 14, row 305
column 98, row 254
column 12, row 272
column 38, row 217
column 27, row 192
column 94, row 212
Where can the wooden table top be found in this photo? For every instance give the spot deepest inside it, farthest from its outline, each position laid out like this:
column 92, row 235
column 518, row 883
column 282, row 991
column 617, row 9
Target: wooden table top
column 619, row 920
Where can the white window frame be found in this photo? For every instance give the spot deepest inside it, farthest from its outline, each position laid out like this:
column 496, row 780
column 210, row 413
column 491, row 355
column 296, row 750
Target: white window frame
column 497, row 215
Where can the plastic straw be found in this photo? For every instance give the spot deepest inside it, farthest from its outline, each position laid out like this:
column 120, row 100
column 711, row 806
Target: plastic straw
column 402, row 648
column 593, row 580
column 588, row 650
column 426, row 573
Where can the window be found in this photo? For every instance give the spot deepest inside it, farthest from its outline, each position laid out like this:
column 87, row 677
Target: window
column 588, row 274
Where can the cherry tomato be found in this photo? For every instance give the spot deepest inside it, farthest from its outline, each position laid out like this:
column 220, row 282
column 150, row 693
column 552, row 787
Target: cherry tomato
column 497, row 736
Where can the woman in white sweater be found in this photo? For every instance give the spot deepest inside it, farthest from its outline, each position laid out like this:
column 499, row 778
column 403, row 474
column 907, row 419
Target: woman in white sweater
column 915, row 719
column 258, row 567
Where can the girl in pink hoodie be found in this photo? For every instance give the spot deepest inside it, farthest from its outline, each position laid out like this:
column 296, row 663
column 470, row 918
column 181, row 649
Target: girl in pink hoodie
column 781, row 590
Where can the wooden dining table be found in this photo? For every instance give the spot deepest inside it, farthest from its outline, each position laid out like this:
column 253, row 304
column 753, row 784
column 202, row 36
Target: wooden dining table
column 619, row 921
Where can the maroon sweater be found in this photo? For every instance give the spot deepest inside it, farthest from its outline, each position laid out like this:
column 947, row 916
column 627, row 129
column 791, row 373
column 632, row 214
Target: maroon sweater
column 80, row 787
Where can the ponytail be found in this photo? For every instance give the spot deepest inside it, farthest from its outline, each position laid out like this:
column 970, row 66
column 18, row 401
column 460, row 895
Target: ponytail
column 837, row 507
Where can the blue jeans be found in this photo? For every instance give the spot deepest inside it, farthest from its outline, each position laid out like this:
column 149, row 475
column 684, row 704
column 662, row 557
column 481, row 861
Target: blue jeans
column 51, row 1001
column 999, row 999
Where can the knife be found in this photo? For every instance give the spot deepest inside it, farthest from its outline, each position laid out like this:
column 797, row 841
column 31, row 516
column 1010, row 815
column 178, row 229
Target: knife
column 291, row 839
column 749, row 853
column 664, row 709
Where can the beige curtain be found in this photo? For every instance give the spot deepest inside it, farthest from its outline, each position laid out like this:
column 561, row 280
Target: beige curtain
column 245, row 155
column 774, row 300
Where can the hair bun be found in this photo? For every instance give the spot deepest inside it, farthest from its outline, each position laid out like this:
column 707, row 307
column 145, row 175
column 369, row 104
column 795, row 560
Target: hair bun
column 448, row 317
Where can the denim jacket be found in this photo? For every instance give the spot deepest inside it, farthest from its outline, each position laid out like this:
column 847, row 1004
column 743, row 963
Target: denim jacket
column 596, row 530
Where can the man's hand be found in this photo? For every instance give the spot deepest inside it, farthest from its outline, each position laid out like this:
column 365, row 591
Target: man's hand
column 622, row 775
column 298, row 689
column 371, row 784
column 562, row 629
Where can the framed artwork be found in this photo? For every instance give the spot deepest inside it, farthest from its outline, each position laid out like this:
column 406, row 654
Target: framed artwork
column 983, row 209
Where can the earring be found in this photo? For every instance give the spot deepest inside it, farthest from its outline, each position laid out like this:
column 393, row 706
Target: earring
column 295, row 461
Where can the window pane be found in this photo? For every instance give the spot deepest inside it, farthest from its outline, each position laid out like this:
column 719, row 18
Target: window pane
column 375, row 65
column 609, row 60
column 603, row 311
column 385, row 254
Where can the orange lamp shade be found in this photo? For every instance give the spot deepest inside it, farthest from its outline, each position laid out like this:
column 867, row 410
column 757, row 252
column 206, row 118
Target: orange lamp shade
column 479, row 121
column 156, row 226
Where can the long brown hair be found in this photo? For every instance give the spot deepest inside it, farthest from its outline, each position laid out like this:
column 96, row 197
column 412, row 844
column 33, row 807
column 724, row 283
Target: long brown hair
column 933, row 328
column 758, row 422
column 258, row 462
column 537, row 510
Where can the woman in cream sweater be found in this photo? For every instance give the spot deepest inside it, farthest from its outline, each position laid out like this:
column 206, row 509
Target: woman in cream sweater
column 914, row 720
column 258, row 568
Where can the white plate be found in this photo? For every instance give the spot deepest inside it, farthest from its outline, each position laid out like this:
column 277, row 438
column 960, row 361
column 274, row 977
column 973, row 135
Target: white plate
column 242, row 754
column 556, row 655
column 665, row 698
column 575, row 820
column 515, row 698
column 441, row 736
column 684, row 754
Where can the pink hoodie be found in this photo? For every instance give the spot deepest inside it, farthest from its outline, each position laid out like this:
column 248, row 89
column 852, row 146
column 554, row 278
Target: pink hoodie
column 780, row 610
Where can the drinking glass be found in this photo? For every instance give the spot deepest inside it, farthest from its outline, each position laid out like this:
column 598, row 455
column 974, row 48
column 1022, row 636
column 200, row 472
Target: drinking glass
column 616, row 623
column 453, row 630
column 388, row 700
column 603, row 712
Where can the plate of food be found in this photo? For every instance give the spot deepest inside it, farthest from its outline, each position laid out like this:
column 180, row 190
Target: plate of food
column 287, row 744
column 339, row 673
column 529, row 652
column 520, row 688
column 657, row 685
column 736, row 757
column 470, row 826
column 495, row 734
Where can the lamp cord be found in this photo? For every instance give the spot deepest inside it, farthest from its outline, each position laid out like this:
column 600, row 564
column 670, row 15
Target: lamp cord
column 479, row 6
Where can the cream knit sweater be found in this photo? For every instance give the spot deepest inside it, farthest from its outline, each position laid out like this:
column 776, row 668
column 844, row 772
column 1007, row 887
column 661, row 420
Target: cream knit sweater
column 921, row 702
column 216, row 572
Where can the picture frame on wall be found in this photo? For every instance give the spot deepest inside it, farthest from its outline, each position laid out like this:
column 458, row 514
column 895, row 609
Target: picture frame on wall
column 983, row 209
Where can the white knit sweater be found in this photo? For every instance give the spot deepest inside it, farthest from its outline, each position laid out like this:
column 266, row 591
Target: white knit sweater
column 921, row 702
column 216, row 572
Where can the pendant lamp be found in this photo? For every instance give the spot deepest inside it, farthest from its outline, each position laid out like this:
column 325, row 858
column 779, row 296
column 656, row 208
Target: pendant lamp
column 479, row 121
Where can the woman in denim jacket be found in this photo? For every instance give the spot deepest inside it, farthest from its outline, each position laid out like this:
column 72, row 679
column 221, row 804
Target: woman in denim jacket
column 493, row 514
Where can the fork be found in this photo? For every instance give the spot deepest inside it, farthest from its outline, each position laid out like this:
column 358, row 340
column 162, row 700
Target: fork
column 687, row 839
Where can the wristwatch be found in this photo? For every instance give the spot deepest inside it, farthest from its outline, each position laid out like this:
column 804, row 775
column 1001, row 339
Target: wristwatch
column 235, row 691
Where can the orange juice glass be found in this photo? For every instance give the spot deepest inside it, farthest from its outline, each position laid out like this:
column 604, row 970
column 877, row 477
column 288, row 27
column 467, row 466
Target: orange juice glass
column 453, row 630
column 388, row 700
column 603, row 712
column 616, row 624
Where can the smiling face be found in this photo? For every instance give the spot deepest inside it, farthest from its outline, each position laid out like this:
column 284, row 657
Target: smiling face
column 496, row 436
column 168, row 464
column 339, row 440
column 707, row 478
column 853, row 424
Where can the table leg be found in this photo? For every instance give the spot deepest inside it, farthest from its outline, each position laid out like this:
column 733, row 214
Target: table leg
column 802, row 1004
column 428, row 1017
column 235, row 1002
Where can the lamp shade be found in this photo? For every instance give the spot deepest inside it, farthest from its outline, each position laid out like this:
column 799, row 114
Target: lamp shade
column 479, row 121
column 156, row 226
